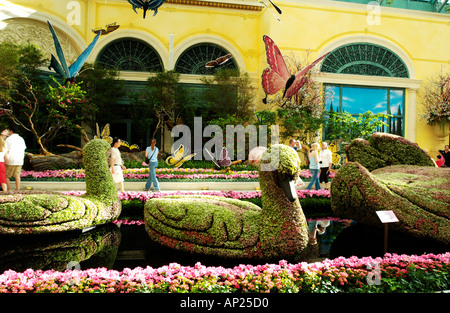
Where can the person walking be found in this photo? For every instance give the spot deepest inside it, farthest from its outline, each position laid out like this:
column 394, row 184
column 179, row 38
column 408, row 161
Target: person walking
column 151, row 153
column 313, row 157
column 116, row 164
column 326, row 160
column 15, row 145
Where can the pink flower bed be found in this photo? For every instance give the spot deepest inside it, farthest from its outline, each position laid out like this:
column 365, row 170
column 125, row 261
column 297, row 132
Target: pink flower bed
column 345, row 273
column 161, row 173
column 144, row 196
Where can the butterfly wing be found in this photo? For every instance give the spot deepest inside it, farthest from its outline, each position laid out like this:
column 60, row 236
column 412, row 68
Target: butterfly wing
column 177, row 156
column 186, row 158
column 106, row 131
column 333, row 146
column 59, row 51
column 212, row 158
column 134, row 147
column 276, row 75
column 224, row 158
column 336, row 159
column 54, row 64
column 76, row 66
column 124, row 146
column 212, row 64
column 300, row 78
column 98, row 135
column 223, row 59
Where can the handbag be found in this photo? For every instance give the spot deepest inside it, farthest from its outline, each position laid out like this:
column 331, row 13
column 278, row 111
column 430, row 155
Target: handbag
column 147, row 160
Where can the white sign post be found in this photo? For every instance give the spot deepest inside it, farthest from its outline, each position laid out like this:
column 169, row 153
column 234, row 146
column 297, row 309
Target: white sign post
column 386, row 217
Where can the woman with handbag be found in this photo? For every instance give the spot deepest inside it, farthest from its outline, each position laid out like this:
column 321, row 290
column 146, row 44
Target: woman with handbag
column 151, row 153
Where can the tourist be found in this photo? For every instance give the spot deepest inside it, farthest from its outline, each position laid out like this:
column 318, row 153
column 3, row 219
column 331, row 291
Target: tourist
column 116, row 164
column 439, row 160
column 313, row 158
column 446, row 155
column 151, row 153
column 3, row 158
column 326, row 160
column 295, row 144
column 15, row 145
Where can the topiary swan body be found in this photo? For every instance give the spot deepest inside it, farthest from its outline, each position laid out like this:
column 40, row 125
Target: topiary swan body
column 390, row 173
column 37, row 213
column 232, row 228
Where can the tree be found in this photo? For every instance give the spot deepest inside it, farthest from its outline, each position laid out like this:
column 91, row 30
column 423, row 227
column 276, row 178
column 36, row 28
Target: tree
column 46, row 111
column 104, row 88
column 346, row 127
column 17, row 62
column 43, row 107
column 160, row 101
column 227, row 92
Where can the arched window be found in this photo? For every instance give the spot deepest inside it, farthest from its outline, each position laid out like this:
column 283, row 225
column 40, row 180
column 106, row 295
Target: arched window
column 129, row 54
column 193, row 59
column 364, row 59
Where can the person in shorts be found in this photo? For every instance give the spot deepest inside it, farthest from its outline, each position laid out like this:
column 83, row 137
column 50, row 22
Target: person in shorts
column 15, row 145
column 116, row 164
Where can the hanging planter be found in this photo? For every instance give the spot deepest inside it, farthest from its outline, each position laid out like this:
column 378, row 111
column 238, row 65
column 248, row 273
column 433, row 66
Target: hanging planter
column 436, row 104
column 442, row 129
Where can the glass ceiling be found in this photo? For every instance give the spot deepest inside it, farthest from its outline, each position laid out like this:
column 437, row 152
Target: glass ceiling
column 438, row 6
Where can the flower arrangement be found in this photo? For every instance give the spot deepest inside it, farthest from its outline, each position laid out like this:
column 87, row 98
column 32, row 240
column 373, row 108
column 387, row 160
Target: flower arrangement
column 393, row 273
column 436, row 99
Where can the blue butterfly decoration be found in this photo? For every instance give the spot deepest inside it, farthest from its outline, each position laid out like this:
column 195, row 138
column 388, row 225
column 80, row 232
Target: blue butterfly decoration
column 146, row 5
column 69, row 73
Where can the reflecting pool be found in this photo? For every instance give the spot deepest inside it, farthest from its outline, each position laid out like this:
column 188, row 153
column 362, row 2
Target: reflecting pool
column 118, row 246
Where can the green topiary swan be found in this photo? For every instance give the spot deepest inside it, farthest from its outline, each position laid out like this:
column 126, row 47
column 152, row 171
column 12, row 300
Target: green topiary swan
column 389, row 172
column 40, row 212
column 232, row 228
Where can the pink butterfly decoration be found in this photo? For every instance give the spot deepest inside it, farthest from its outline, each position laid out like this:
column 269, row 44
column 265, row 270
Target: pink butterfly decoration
column 277, row 75
column 224, row 158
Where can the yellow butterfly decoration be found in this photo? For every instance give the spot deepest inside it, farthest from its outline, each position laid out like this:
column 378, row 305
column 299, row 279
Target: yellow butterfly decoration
column 106, row 30
column 334, row 147
column 125, row 146
column 104, row 134
column 179, row 158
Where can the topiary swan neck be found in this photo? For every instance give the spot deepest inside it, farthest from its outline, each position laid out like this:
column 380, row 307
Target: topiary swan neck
column 99, row 181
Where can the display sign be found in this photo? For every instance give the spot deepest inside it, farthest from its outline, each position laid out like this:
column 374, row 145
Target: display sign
column 387, row 217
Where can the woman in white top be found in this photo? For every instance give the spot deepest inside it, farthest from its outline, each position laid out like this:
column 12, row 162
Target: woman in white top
column 116, row 164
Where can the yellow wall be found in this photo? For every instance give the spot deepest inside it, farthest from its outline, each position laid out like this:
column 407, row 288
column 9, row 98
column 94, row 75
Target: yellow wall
column 421, row 39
